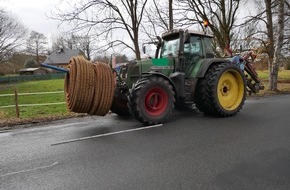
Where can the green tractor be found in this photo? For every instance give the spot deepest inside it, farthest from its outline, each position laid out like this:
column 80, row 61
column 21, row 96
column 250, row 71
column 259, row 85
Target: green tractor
column 183, row 73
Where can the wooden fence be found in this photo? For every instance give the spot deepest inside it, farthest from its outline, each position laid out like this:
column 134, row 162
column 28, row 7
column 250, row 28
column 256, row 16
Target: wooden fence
column 17, row 105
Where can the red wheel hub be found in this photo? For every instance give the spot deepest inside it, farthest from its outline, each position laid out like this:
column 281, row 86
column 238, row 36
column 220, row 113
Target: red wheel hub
column 156, row 101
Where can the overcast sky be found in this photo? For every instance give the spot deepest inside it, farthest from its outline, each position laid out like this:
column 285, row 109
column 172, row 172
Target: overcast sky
column 33, row 14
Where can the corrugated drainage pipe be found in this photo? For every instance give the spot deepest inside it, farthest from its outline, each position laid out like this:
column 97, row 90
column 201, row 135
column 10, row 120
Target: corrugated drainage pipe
column 89, row 88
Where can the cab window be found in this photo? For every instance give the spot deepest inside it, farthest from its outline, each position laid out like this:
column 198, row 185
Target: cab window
column 170, row 47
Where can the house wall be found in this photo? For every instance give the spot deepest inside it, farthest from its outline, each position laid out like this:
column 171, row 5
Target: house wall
column 39, row 72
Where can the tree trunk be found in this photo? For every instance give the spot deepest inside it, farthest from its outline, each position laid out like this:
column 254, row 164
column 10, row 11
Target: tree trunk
column 37, row 54
column 137, row 51
column 270, row 33
column 278, row 47
column 136, row 43
column 170, row 15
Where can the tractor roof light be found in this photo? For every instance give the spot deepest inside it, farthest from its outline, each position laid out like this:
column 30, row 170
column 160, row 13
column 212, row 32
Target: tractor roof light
column 205, row 23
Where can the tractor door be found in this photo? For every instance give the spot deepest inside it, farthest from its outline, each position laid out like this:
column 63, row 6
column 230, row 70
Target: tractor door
column 193, row 52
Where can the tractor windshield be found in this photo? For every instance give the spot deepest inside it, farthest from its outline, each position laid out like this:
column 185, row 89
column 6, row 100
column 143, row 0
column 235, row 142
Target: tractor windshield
column 170, row 47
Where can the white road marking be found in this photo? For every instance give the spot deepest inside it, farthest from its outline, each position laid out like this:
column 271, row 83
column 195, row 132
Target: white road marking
column 5, row 134
column 24, row 171
column 6, row 131
column 106, row 134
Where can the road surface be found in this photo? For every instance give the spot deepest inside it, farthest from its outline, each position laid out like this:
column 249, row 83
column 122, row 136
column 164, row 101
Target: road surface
column 191, row 151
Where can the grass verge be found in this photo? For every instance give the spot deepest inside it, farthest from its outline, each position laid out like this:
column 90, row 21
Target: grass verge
column 283, row 75
column 33, row 113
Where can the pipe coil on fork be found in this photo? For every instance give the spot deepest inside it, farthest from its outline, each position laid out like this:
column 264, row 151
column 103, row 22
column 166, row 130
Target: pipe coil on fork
column 89, row 87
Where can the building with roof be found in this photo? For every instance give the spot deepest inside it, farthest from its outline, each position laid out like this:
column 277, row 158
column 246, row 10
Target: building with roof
column 61, row 57
column 32, row 71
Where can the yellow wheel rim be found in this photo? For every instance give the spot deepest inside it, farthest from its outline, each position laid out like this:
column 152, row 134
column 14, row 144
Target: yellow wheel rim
column 230, row 90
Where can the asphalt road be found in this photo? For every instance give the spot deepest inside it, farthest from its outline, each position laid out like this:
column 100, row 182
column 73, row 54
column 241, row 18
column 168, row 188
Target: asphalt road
column 191, row 151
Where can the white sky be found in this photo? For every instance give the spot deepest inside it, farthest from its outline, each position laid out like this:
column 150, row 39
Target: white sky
column 33, row 14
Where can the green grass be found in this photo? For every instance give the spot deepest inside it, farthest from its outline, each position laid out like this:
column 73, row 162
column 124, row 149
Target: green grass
column 283, row 84
column 283, row 75
column 32, row 87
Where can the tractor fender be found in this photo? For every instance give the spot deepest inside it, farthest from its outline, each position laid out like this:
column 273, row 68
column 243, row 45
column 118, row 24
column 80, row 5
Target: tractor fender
column 206, row 63
column 163, row 76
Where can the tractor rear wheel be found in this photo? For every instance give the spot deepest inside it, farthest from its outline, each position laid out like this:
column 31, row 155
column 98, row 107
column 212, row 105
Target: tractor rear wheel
column 222, row 91
column 152, row 100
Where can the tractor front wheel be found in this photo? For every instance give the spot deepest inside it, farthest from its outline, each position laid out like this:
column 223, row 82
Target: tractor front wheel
column 152, row 100
column 120, row 107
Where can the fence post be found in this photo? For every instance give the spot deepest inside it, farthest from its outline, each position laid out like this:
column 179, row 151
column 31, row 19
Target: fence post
column 16, row 102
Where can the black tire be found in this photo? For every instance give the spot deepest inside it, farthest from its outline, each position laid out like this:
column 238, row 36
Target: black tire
column 182, row 106
column 120, row 107
column 152, row 100
column 222, row 91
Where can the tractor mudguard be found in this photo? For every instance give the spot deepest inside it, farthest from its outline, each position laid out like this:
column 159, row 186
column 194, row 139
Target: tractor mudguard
column 178, row 79
column 163, row 76
column 204, row 65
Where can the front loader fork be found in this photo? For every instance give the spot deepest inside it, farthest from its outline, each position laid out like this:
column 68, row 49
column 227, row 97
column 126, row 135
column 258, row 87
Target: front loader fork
column 253, row 83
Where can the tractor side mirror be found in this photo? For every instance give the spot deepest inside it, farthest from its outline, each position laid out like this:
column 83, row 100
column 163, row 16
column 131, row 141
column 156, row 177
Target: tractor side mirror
column 186, row 37
column 159, row 41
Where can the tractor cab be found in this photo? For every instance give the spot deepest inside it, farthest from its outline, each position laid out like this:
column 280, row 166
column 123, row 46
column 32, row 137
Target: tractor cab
column 190, row 43
column 186, row 47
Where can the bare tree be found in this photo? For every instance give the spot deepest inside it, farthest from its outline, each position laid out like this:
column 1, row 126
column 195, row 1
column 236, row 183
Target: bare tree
column 72, row 41
column 105, row 18
column 60, row 42
column 273, row 77
column 270, row 32
column 271, row 17
column 220, row 15
column 106, row 59
column 12, row 35
column 35, row 44
column 164, row 15
column 157, row 19
column 286, row 46
column 86, row 46
column 170, row 12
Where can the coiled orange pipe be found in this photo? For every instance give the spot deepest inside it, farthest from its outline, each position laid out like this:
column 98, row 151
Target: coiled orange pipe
column 89, row 88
